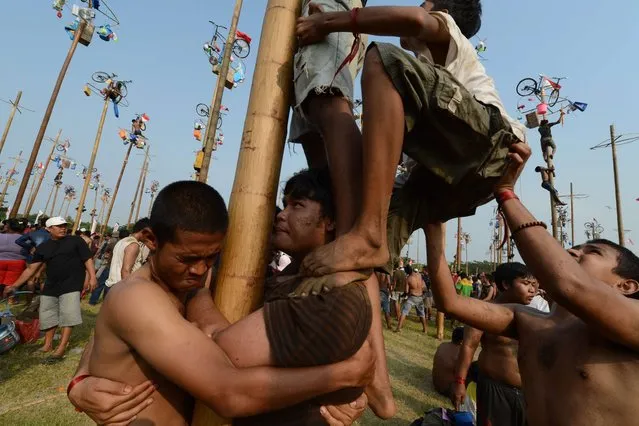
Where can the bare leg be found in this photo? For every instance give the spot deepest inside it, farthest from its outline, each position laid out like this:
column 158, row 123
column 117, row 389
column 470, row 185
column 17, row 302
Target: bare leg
column 365, row 246
column 343, row 143
column 424, row 325
column 48, row 340
column 388, row 320
column 379, row 393
column 402, row 318
column 398, row 310
column 314, row 150
column 64, row 341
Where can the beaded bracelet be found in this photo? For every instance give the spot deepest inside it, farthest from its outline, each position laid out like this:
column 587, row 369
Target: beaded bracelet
column 529, row 225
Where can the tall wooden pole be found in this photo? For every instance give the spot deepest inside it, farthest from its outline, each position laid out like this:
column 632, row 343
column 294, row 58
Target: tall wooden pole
column 66, row 212
column 46, row 207
column 10, row 120
column 55, row 197
column 214, row 112
column 137, row 213
column 251, row 209
column 572, row 217
column 33, row 182
column 67, row 200
column 613, row 146
column 551, row 178
column 44, row 172
column 87, row 178
column 137, row 189
column 8, row 180
column 115, row 191
column 45, row 120
column 101, row 214
column 151, row 203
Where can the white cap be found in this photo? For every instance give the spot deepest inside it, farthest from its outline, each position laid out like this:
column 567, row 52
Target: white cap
column 83, row 230
column 55, row 221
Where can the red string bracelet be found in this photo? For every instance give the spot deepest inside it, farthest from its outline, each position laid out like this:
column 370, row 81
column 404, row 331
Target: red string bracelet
column 74, row 382
column 460, row 380
column 504, row 196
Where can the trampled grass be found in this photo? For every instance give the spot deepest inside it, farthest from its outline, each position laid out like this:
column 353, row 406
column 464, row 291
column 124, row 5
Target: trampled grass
column 33, row 394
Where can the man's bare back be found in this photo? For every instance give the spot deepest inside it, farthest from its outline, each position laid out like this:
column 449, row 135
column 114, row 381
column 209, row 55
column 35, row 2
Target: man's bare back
column 415, row 284
column 444, row 367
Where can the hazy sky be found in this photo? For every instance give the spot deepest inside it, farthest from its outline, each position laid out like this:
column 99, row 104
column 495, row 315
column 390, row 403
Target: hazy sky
column 160, row 49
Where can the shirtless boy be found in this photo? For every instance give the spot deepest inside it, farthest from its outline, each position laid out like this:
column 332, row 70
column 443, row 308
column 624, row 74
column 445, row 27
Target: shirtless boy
column 415, row 291
column 579, row 364
column 500, row 401
column 141, row 333
column 437, row 105
column 385, row 295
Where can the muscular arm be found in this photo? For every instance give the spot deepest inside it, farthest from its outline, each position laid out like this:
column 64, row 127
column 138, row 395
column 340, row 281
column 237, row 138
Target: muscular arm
column 26, row 274
column 177, row 349
column 202, row 312
column 130, row 254
column 602, row 307
column 469, row 346
column 489, row 317
column 410, row 21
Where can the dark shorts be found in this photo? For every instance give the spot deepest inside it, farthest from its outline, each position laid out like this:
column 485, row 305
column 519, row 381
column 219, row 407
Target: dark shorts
column 459, row 144
column 499, row 404
column 310, row 331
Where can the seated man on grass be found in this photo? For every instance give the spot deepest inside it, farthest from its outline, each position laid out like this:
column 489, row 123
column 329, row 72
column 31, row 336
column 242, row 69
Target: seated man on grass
column 305, row 223
column 445, row 361
column 436, row 104
column 578, row 364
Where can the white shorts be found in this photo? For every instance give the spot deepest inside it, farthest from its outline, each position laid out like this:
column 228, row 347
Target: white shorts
column 63, row 311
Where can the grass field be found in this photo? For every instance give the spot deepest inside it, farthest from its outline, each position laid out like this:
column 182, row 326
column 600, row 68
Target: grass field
column 35, row 394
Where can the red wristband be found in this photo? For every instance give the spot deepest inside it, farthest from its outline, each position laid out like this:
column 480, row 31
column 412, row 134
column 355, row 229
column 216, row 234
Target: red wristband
column 74, row 382
column 504, row 196
column 460, row 380
column 354, row 12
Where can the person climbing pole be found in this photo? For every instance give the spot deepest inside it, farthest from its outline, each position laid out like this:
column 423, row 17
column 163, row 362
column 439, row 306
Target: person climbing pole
column 545, row 173
column 548, row 146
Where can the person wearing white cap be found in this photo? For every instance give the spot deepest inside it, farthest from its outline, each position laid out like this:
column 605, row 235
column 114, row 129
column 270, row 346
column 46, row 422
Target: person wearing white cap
column 68, row 260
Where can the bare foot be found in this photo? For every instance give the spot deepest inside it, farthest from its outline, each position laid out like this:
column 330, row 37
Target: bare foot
column 45, row 349
column 349, row 252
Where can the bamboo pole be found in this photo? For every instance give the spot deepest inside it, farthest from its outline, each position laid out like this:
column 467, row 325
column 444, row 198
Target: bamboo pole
column 251, row 208
column 44, row 172
column 33, row 182
column 151, row 202
column 458, row 254
column 45, row 120
column 137, row 213
column 115, row 191
column 87, row 178
column 137, row 189
column 66, row 212
column 101, row 214
column 572, row 217
column 55, row 197
column 613, row 146
column 46, row 207
column 10, row 120
column 214, row 112
column 64, row 200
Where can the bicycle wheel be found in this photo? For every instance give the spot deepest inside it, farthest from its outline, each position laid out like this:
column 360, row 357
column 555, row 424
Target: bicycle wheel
column 202, row 110
column 219, row 123
column 143, row 126
column 241, row 48
column 100, row 77
column 123, row 90
column 526, row 87
column 553, row 98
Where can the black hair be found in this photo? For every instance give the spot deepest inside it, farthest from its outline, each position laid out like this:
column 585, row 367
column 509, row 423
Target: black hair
column 408, row 269
column 78, row 232
column 43, row 221
column 538, row 169
column 627, row 262
column 463, row 275
column 187, row 206
column 16, row 225
column 313, row 184
column 544, row 121
column 466, row 13
column 458, row 335
column 141, row 224
column 507, row 273
column 123, row 234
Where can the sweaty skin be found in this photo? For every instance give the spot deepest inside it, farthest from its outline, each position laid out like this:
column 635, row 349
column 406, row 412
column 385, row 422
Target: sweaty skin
column 444, row 364
column 415, row 285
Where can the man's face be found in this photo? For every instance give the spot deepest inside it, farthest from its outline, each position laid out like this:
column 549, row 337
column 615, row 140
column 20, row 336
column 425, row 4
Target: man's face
column 183, row 264
column 57, row 231
column 598, row 260
column 522, row 290
column 300, row 228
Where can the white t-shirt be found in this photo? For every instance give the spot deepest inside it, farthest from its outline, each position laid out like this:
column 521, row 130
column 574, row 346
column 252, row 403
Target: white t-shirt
column 117, row 259
column 465, row 66
column 540, row 304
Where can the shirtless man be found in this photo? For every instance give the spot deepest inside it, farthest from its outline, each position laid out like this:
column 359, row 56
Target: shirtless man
column 398, row 287
column 500, row 401
column 384, row 295
column 545, row 173
column 578, row 364
column 415, row 291
column 141, row 333
column 445, row 361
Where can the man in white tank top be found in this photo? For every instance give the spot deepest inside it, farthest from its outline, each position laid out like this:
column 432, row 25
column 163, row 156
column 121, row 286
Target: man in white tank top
column 129, row 254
